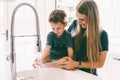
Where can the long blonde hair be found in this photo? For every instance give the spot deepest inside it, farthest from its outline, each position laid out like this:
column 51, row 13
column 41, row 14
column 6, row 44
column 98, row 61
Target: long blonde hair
column 89, row 8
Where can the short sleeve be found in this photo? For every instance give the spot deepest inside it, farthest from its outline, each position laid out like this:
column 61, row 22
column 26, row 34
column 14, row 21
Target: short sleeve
column 69, row 41
column 49, row 39
column 104, row 41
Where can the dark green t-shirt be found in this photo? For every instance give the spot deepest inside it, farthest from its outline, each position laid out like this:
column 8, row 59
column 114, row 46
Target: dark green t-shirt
column 59, row 45
column 81, row 54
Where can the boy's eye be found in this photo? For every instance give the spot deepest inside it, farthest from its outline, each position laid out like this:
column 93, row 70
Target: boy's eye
column 58, row 28
column 53, row 29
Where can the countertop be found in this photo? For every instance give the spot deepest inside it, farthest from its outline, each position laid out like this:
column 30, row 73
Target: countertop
column 48, row 73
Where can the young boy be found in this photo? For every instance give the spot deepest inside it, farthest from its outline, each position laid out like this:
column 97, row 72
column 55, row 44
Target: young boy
column 59, row 41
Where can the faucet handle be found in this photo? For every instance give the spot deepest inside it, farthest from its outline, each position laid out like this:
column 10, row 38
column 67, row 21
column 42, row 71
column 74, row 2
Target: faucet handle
column 39, row 47
column 8, row 57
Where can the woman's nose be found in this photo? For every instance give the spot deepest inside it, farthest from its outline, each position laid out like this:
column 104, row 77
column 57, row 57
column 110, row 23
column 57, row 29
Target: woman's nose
column 79, row 22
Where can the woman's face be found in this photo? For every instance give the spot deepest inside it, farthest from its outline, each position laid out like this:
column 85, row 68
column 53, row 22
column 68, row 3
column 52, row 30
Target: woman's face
column 82, row 19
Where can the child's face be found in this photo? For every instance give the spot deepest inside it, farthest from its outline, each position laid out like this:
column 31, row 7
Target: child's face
column 58, row 28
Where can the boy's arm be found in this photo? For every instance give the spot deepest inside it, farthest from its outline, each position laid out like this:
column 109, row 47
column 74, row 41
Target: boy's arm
column 45, row 54
column 44, row 59
column 70, row 52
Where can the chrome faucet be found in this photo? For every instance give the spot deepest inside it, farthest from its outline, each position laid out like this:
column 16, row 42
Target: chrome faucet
column 13, row 54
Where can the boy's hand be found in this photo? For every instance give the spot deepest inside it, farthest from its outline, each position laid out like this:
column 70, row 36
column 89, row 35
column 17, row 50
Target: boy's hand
column 36, row 63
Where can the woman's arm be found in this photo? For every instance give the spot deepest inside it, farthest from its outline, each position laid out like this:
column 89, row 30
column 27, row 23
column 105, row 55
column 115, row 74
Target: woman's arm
column 71, row 64
column 97, row 64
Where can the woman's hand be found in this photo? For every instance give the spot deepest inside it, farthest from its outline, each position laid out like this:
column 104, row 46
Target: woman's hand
column 68, row 63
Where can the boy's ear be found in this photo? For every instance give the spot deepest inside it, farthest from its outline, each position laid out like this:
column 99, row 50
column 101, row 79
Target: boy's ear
column 66, row 23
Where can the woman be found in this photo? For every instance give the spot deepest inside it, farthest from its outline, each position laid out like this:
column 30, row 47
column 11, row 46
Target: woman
column 91, row 42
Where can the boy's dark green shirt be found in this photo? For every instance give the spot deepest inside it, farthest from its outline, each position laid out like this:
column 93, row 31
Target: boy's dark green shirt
column 59, row 45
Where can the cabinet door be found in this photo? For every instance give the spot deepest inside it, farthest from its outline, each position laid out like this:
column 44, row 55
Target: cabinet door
column 4, row 47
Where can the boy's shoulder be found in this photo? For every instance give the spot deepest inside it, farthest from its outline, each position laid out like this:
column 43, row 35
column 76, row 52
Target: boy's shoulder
column 50, row 33
column 67, row 32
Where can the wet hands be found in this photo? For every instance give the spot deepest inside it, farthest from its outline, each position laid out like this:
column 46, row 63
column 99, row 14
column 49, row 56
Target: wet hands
column 65, row 63
column 40, row 63
column 68, row 63
column 37, row 62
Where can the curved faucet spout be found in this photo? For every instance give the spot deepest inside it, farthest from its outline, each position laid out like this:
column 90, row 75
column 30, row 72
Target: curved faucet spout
column 13, row 54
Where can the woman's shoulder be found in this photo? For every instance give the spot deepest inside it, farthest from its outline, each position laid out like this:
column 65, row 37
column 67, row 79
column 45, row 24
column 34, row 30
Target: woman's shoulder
column 104, row 33
column 104, row 36
column 72, row 25
column 104, row 40
column 74, row 21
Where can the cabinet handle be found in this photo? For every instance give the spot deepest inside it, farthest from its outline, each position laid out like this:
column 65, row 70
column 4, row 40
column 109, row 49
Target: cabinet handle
column 117, row 59
column 6, row 35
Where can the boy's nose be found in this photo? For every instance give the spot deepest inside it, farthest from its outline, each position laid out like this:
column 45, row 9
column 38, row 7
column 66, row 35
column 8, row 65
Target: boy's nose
column 55, row 31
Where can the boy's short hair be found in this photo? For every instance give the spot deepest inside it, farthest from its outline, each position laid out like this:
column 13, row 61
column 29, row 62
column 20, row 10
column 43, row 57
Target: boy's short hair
column 57, row 16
